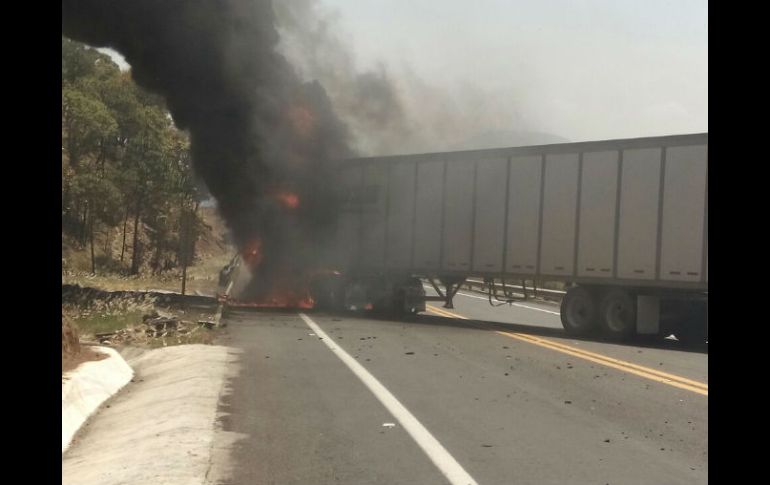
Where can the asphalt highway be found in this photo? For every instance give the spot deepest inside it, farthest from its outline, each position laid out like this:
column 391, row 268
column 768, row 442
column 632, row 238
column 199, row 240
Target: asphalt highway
column 473, row 394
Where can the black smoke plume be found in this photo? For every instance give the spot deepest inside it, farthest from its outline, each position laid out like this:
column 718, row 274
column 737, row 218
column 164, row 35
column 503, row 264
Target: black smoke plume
column 256, row 130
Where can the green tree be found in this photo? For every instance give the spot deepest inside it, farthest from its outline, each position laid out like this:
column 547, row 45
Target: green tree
column 87, row 125
column 123, row 160
column 103, row 199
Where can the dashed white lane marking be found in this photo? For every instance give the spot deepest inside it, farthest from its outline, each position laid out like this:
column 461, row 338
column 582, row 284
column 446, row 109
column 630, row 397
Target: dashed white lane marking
column 514, row 304
column 440, row 457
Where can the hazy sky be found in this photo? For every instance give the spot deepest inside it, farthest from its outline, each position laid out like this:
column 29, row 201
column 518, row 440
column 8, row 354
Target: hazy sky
column 581, row 69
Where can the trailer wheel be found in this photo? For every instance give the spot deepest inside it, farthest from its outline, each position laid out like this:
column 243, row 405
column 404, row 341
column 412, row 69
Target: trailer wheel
column 578, row 311
column 618, row 313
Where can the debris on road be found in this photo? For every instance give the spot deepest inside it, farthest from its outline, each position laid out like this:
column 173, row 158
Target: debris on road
column 154, row 327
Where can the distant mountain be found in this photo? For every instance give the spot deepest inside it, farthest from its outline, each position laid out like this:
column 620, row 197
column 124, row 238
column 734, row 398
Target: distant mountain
column 505, row 139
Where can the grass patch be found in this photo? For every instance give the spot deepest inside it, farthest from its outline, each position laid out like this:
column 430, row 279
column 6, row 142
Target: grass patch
column 108, row 315
column 122, row 319
column 202, row 278
column 93, row 324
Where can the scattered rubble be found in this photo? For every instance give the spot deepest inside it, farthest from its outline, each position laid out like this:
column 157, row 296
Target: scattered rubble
column 155, row 327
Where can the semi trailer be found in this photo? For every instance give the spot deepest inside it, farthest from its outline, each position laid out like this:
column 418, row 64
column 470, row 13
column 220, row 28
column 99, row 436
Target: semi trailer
column 623, row 223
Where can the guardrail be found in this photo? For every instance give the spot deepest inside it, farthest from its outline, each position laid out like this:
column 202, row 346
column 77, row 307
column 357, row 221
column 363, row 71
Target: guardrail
column 535, row 292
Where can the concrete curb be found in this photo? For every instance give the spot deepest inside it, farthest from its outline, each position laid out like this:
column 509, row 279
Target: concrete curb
column 164, row 428
column 87, row 387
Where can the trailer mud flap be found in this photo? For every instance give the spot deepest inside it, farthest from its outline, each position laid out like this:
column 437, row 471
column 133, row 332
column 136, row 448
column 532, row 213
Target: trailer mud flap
column 647, row 314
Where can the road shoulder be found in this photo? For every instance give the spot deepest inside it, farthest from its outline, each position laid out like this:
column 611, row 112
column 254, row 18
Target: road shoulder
column 168, row 411
column 86, row 387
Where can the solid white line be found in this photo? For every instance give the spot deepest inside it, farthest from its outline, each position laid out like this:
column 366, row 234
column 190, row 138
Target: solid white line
column 472, row 296
column 440, row 457
column 538, row 309
column 514, row 304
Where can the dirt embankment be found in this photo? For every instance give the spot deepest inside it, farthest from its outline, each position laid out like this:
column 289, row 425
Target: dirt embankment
column 70, row 345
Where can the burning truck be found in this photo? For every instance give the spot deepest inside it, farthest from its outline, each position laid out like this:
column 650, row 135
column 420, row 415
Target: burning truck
column 623, row 222
column 305, row 276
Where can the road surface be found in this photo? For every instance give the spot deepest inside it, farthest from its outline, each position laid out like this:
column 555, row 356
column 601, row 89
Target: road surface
column 474, row 394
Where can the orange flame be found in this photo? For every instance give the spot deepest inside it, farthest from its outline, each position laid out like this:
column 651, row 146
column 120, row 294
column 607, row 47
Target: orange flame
column 278, row 300
column 286, row 290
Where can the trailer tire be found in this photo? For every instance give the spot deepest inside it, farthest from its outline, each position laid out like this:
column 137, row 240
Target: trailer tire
column 578, row 311
column 617, row 312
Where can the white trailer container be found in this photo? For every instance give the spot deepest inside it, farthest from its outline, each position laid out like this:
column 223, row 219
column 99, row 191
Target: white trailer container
column 624, row 222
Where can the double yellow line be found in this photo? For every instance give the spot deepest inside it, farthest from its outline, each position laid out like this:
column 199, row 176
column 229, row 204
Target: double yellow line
column 641, row 371
column 444, row 313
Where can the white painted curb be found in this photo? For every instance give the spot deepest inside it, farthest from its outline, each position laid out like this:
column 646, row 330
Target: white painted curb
column 87, row 387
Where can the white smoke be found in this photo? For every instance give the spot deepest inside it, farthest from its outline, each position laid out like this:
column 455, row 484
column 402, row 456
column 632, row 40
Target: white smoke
column 387, row 110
